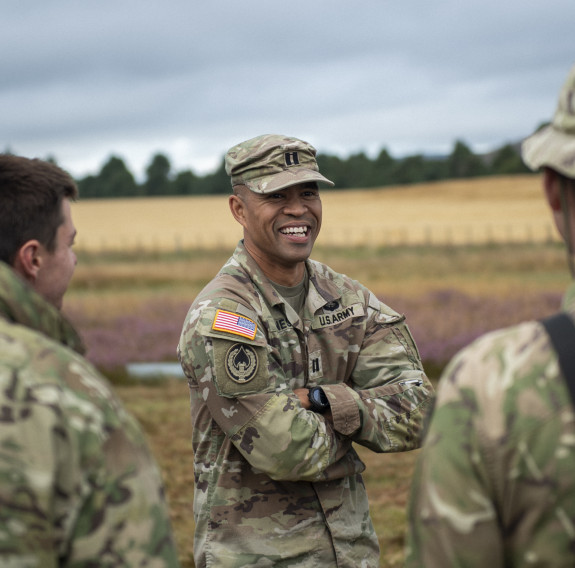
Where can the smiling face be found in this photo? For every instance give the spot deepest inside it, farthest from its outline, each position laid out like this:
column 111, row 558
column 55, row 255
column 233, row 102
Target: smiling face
column 280, row 228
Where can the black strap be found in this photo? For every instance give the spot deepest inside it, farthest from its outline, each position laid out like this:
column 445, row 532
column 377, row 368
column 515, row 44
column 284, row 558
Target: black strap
column 561, row 330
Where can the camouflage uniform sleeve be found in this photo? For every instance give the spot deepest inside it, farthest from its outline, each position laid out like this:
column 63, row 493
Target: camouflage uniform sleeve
column 78, row 485
column 494, row 482
column 385, row 406
column 452, row 518
column 259, row 412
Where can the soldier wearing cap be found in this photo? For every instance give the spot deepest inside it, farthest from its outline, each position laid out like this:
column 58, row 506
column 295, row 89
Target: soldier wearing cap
column 289, row 364
column 495, row 484
column 78, row 484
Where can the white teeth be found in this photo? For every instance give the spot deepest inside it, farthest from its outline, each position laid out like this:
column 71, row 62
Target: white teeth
column 295, row 230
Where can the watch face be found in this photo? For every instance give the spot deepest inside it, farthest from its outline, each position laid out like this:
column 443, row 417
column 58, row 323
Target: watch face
column 318, row 399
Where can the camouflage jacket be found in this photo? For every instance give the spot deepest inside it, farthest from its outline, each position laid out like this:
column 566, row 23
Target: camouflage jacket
column 495, row 482
column 78, row 487
column 275, row 482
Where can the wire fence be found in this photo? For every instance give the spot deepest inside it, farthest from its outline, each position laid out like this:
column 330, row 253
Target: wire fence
column 349, row 237
column 444, row 235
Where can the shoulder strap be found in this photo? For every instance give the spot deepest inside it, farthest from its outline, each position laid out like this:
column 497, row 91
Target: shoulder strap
column 561, row 330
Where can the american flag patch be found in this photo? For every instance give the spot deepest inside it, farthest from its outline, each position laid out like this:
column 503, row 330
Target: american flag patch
column 234, row 323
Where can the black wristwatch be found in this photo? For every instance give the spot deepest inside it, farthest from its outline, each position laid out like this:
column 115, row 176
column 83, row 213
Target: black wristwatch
column 318, row 400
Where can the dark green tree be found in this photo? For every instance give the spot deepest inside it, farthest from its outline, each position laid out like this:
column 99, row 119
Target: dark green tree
column 383, row 168
column 185, row 183
column 217, row 182
column 507, row 160
column 435, row 169
column 88, row 187
column 158, row 180
column 333, row 168
column 114, row 180
column 359, row 171
column 463, row 163
column 409, row 170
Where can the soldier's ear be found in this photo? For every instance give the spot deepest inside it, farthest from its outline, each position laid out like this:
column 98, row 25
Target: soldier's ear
column 28, row 260
column 237, row 207
column 552, row 189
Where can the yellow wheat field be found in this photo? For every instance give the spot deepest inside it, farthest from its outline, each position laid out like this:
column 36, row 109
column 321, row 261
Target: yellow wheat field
column 499, row 209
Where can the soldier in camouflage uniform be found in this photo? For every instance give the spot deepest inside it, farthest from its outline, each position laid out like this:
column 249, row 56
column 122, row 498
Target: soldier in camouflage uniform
column 495, row 482
column 78, row 486
column 289, row 363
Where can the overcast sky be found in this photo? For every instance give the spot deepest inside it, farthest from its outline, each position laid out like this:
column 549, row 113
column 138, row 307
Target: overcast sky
column 81, row 80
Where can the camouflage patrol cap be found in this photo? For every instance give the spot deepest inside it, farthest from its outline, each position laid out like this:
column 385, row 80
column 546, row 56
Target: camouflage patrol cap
column 272, row 162
column 554, row 145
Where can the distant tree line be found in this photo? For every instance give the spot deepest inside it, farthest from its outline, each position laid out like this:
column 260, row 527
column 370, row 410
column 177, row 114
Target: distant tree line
column 355, row 171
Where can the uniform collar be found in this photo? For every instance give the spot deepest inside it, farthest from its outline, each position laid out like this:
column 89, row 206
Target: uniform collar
column 322, row 290
column 20, row 304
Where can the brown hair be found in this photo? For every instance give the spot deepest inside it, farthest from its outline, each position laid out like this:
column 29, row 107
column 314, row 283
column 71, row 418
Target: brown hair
column 31, row 196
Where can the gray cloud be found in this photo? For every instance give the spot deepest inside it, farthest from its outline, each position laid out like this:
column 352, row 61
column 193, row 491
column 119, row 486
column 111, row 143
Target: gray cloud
column 81, row 81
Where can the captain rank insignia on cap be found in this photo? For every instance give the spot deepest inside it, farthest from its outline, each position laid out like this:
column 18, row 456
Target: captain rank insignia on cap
column 235, row 323
column 292, row 159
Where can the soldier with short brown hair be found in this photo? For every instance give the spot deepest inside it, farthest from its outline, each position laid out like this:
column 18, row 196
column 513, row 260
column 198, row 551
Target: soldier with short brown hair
column 78, row 485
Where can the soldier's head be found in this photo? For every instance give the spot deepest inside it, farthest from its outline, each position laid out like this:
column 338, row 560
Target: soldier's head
column 36, row 229
column 276, row 200
column 552, row 148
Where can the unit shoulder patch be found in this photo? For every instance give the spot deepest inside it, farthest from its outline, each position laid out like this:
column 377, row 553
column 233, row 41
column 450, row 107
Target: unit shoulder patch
column 241, row 363
column 240, row 368
column 236, row 324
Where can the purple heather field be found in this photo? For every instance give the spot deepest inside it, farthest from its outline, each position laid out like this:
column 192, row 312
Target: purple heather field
column 442, row 322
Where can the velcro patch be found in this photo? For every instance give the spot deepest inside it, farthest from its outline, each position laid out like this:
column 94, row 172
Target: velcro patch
column 235, row 323
column 241, row 363
column 240, row 368
column 315, row 366
column 335, row 315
